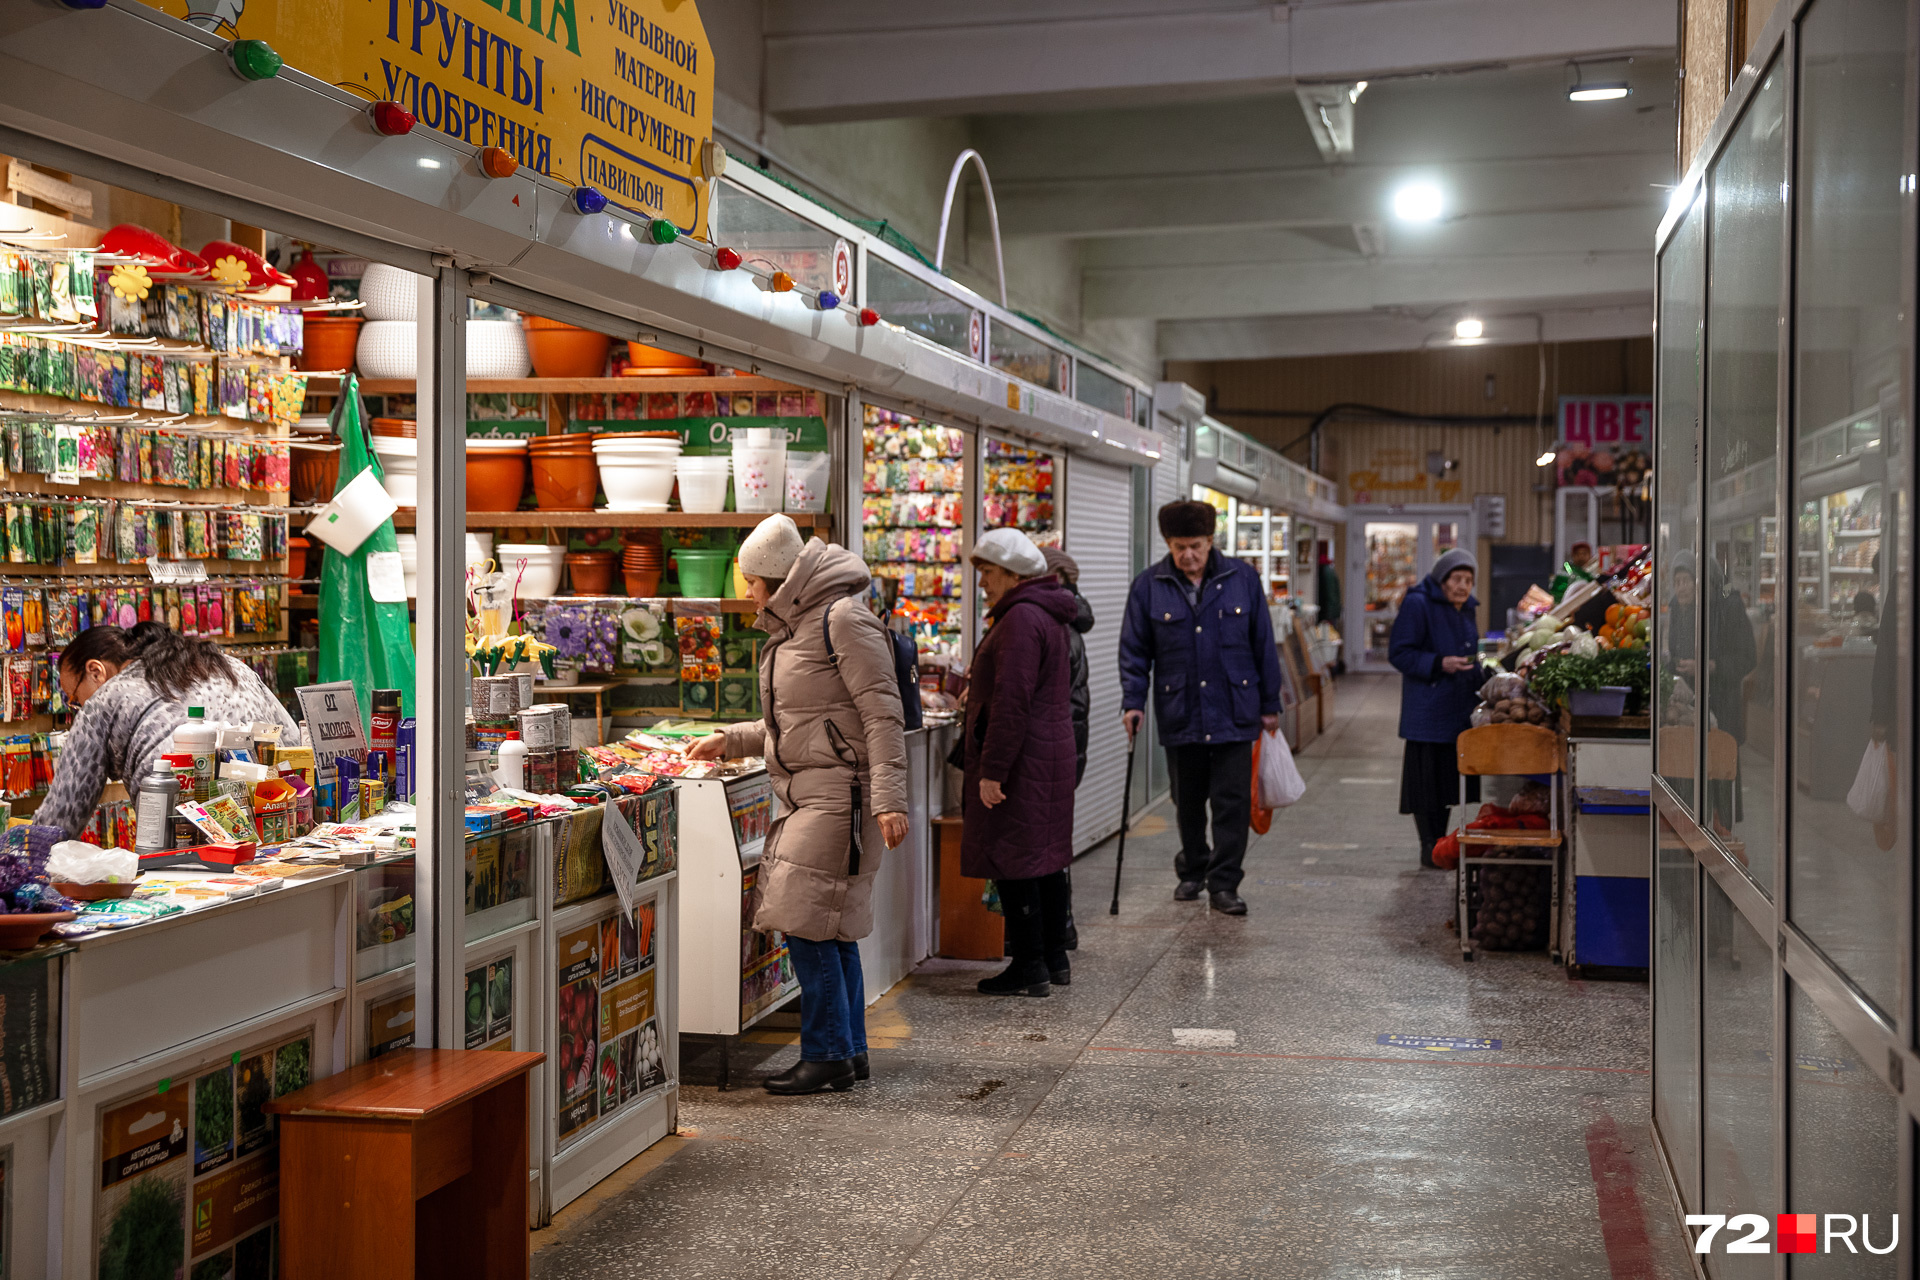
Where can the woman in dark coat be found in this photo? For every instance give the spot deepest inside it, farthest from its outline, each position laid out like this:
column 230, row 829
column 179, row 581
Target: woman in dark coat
column 1018, row 801
column 1435, row 646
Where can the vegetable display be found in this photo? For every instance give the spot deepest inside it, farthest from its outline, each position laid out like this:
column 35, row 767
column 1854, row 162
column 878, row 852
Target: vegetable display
column 1558, row 674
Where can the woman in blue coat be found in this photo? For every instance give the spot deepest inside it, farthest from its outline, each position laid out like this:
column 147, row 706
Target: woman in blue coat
column 1435, row 646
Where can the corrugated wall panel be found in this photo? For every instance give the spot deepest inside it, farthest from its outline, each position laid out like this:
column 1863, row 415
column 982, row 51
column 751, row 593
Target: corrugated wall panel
column 1099, row 536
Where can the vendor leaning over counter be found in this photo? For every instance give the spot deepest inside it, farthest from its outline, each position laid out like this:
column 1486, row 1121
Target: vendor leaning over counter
column 132, row 690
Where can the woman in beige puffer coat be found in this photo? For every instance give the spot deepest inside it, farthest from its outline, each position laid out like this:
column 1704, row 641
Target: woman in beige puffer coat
column 832, row 736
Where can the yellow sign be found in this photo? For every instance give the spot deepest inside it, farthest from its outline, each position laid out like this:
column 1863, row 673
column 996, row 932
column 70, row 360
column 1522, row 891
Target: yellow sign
column 614, row 94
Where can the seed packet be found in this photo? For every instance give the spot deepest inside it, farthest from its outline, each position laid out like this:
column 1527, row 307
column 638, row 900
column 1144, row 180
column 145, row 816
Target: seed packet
column 189, row 624
column 42, row 269
column 84, row 527
column 212, row 611
column 33, row 611
column 80, row 283
column 173, row 615
column 60, row 628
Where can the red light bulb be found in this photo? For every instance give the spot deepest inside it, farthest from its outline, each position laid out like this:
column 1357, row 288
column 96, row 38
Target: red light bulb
column 869, row 317
column 391, row 119
column 726, row 259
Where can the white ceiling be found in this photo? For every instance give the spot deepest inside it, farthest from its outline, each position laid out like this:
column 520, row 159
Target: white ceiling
column 1167, row 144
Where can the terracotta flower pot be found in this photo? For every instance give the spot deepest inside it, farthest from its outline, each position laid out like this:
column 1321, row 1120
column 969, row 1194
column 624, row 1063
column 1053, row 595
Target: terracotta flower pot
column 406, row 428
column 642, row 583
column 314, row 475
column 644, row 361
column 329, row 341
column 495, row 480
column 563, row 350
column 565, row 480
column 592, row 572
column 297, row 557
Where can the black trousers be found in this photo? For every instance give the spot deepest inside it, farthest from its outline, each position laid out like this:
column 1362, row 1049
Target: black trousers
column 1219, row 778
column 1038, row 912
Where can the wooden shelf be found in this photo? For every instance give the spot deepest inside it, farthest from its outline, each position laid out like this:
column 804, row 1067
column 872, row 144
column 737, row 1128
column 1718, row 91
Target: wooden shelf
column 404, row 519
column 581, row 386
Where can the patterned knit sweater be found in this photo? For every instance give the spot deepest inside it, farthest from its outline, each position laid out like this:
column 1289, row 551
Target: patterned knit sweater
column 126, row 724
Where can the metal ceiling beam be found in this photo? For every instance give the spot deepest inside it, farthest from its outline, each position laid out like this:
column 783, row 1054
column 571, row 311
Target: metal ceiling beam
column 1225, row 290
column 1322, row 196
column 1272, row 337
column 831, row 60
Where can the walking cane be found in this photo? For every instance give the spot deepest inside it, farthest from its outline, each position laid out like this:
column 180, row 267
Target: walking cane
column 1126, row 811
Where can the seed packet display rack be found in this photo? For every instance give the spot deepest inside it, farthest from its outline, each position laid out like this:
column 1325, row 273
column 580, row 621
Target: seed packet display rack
column 731, row 976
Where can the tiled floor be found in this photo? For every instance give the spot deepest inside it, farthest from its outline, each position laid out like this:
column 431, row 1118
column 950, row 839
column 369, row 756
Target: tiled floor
column 1072, row 1136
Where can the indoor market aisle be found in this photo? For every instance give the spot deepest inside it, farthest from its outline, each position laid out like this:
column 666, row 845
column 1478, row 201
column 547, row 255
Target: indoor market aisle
column 1208, row 1098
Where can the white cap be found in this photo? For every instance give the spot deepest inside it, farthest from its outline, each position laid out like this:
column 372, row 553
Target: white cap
column 1012, row 550
column 772, row 547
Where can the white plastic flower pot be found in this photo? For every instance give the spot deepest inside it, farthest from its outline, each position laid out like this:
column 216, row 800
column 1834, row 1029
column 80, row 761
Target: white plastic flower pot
column 388, row 349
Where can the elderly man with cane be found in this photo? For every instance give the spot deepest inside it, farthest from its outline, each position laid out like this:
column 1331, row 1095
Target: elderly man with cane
column 1197, row 632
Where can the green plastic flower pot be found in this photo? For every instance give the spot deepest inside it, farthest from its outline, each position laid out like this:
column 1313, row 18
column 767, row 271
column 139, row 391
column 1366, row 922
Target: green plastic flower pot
column 703, row 573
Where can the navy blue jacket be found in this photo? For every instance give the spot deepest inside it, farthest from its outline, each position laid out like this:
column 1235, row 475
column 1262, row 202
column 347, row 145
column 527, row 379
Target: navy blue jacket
column 1434, row 705
column 1214, row 671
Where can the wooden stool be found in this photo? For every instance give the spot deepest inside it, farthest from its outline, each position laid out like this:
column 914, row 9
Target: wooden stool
column 414, row 1164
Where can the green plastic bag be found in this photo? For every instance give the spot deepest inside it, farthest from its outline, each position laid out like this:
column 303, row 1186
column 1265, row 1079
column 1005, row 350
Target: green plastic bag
column 361, row 639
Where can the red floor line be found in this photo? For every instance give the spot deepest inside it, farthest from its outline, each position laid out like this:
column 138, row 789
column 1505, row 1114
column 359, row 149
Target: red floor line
column 1623, row 1219
column 1333, row 1057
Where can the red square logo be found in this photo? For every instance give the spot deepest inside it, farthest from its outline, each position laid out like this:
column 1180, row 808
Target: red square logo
column 1796, row 1232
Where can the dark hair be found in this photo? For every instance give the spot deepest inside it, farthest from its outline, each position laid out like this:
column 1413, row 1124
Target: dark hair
column 173, row 663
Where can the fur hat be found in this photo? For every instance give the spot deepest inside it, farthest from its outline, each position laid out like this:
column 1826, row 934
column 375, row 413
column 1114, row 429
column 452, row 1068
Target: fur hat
column 1012, row 550
column 1188, row 520
column 772, row 547
column 1063, row 564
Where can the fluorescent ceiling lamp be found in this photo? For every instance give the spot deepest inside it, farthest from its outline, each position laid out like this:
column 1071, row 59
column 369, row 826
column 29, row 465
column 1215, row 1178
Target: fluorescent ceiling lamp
column 1544, row 459
column 1601, row 91
column 1468, row 329
column 1418, row 202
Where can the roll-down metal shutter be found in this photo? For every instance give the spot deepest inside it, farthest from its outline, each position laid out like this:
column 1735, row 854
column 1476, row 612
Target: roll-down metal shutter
column 1169, row 485
column 1099, row 536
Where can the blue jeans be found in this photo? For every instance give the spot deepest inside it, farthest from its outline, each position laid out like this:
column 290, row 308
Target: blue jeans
column 833, row 999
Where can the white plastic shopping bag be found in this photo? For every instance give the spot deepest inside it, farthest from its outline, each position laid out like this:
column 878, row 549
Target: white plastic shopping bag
column 1280, row 781
column 1869, row 795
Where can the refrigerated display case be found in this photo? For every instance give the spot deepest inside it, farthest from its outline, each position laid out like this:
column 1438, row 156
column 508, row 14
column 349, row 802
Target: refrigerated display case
column 1263, row 538
column 913, row 518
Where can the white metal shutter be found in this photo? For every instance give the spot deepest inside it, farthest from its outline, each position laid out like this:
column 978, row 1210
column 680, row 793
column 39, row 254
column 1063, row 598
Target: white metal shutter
column 1099, row 535
column 1169, row 485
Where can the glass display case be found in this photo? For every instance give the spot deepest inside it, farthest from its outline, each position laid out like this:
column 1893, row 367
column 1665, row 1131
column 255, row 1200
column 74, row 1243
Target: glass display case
column 913, row 516
column 383, row 899
column 1025, row 357
column 913, row 304
column 1263, row 538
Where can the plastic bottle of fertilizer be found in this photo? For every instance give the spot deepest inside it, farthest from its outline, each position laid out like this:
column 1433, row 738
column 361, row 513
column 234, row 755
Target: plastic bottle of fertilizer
column 153, row 810
column 199, row 737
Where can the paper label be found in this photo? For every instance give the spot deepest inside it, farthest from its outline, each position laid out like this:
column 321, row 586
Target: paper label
column 624, row 854
column 386, row 579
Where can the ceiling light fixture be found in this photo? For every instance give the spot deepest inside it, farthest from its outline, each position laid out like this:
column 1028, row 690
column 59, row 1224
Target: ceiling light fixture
column 1545, row 459
column 1467, row 330
column 1611, row 89
column 1418, row 202
column 1353, row 94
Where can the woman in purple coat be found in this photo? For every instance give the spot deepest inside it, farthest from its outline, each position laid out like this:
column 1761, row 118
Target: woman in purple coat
column 1018, row 808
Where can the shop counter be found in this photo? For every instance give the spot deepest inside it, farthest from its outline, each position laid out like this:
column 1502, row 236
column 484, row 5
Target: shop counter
column 1604, row 914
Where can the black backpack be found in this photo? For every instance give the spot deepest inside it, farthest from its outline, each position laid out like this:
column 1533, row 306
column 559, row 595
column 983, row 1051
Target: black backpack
column 906, row 667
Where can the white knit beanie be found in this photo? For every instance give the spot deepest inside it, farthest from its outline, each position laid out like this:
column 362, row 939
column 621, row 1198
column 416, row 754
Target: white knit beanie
column 1012, row 550
column 772, row 547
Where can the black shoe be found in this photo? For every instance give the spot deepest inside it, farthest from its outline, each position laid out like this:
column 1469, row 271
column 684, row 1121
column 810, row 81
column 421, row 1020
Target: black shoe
column 1227, row 903
column 1189, row 891
column 861, row 1071
column 1059, row 969
column 1072, row 935
column 812, row 1077
column 1426, row 859
column 1021, row 978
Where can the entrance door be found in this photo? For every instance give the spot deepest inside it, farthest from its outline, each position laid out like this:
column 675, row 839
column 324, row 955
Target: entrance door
column 1385, row 556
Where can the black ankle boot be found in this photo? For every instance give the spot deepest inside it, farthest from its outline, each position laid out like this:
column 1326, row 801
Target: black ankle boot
column 1021, row 978
column 812, row 1077
column 861, row 1071
column 1060, row 968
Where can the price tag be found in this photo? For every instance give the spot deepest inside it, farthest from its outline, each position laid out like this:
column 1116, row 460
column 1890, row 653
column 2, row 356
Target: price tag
column 174, row 571
column 624, row 855
column 386, row 578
